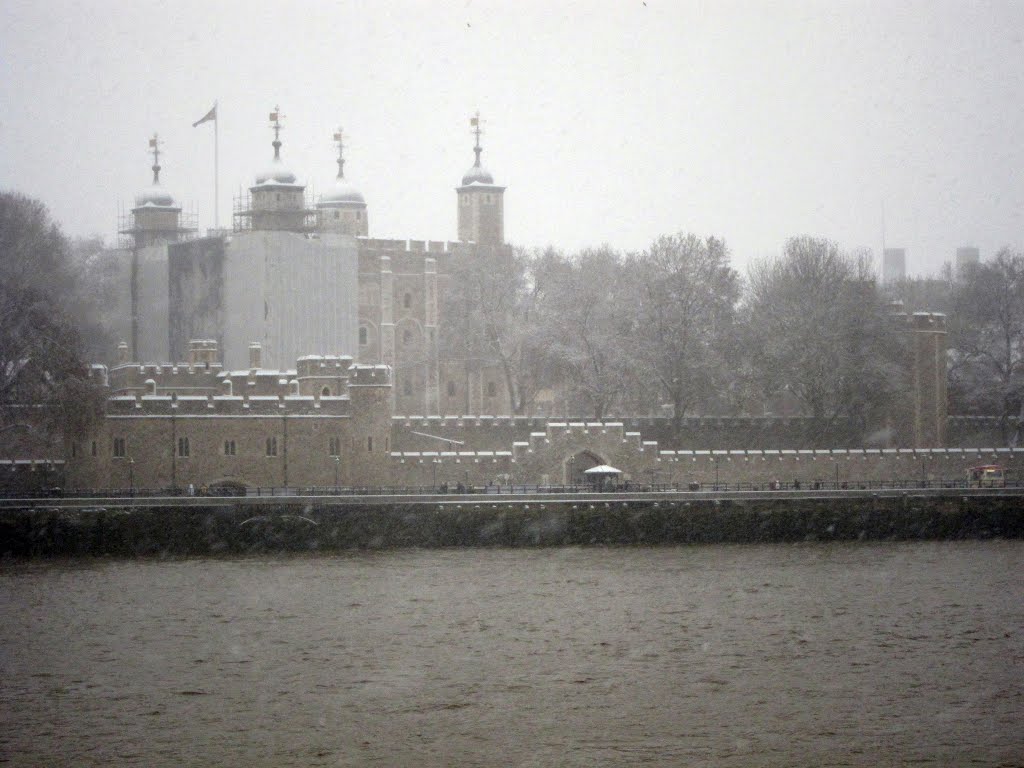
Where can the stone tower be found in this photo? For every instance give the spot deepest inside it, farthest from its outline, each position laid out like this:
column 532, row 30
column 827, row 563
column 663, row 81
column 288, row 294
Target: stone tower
column 156, row 217
column 277, row 201
column 342, row 207
column 481, row 203
column 155, row 223
column 928, row 407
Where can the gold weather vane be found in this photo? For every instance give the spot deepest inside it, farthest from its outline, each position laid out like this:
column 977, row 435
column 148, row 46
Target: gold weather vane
column 275, row 119
column 339, row 139
column 154, row 144
column 476, row 130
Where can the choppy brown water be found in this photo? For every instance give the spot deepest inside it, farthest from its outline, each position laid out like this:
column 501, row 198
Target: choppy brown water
column 726, row 656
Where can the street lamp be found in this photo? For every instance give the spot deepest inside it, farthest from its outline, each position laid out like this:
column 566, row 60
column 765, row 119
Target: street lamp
column 131, row 476
column 337, row 467
column 434, row 464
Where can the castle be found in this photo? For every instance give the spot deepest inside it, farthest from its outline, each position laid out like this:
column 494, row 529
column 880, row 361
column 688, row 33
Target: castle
column 298, row 278
column 290, row 279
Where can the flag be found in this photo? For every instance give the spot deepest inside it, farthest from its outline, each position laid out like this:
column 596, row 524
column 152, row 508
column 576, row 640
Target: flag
column 152, row 142
column 337, row 137
column 474, row 121
column 273, row 117
column 211, row 115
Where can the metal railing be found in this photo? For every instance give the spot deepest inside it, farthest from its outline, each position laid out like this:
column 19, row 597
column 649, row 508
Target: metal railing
column 509, row 490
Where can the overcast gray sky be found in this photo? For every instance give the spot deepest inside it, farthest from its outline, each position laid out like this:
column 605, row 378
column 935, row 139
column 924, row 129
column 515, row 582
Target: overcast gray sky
column 610, row 122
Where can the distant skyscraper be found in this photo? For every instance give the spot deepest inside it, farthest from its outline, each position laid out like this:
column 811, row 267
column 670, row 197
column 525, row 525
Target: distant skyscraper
column 966, row 255
column 894, row 264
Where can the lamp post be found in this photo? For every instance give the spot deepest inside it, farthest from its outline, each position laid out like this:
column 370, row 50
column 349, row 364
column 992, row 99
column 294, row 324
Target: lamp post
column 572, row 477
column 434, row 464
column 131, row 476
column 716, row 474
column 337, row 467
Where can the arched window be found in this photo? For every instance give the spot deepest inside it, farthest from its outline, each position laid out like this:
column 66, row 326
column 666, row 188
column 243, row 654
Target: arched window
column 363, row 336
column 407, row 300
column 492, row 389
column 326, row 392
column 406, row 336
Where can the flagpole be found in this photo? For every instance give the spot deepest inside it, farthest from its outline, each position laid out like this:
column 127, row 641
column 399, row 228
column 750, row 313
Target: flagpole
column 216, row 169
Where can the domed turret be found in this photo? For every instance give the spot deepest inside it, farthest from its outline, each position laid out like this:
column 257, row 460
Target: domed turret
column 155, row 217
column 276, row 173
column 278, row 200
column 477, row 174
column 481, row 211
column 156, row 196
column 342, row 208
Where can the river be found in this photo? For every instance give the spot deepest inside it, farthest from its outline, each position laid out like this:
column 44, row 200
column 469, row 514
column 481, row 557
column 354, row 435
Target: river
column 776, row 655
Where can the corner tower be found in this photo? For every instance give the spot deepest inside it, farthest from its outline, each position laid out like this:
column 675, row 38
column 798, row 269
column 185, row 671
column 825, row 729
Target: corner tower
column 156, row 217
column 342, row 208
column 481, row 203
column 276, row 201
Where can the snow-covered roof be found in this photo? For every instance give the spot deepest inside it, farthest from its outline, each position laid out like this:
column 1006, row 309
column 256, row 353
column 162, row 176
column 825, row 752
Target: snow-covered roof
column 477, row 175
column 276, row 174
column 154, row 196
column 341, row 193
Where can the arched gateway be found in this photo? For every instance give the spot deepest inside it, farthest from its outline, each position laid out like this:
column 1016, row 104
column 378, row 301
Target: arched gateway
column 574, row 466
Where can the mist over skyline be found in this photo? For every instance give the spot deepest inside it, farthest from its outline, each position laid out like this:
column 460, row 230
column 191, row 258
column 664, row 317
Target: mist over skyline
column 608, row 123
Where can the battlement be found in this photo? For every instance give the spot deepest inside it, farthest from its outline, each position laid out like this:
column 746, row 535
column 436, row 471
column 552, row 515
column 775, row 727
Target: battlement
column 370, row 376
column 928, row 321
column 323, row 365
column 178, row 406
column 406, row 246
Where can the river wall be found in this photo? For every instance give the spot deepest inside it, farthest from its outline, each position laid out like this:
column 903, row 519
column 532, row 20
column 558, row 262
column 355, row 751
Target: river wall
column 247, row 528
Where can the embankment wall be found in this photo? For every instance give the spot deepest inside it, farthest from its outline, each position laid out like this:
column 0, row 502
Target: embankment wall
column 241, row 528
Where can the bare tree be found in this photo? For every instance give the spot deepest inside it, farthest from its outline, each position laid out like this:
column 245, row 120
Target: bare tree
column 491, row 306
column 686, row 296
column 816, row 327
column 588, row 321
column 43, row 380
column 988, row 337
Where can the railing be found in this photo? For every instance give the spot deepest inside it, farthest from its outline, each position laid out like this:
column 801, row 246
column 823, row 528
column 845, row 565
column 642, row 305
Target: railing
column 510, row 490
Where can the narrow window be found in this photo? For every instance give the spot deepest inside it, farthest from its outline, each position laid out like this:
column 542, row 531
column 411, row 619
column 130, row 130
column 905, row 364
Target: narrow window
column 369, row 444
column 183, row 446
column 119, row 448
column 271, row 446
column 74, row 450
column 335, row 446
column 337, row 214
column 278, row 196
column 407, row 388
column 94, row 448
column 492, row 390
column 362, row 336
column 359, row 215
column 229, row 447
column 407, row 300
column 451, row 389
column 406, row 337
column 465, row 199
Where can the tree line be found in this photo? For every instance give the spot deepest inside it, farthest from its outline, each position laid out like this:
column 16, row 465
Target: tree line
column 673, row 330
column 676, row 331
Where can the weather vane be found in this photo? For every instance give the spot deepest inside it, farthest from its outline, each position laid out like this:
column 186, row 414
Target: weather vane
column 154, row 144
column 275, row 119
column 339, row 139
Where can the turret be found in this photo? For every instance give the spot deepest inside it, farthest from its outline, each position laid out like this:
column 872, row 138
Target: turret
column 342, row 207
column 481, row 203
column 277, row 201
